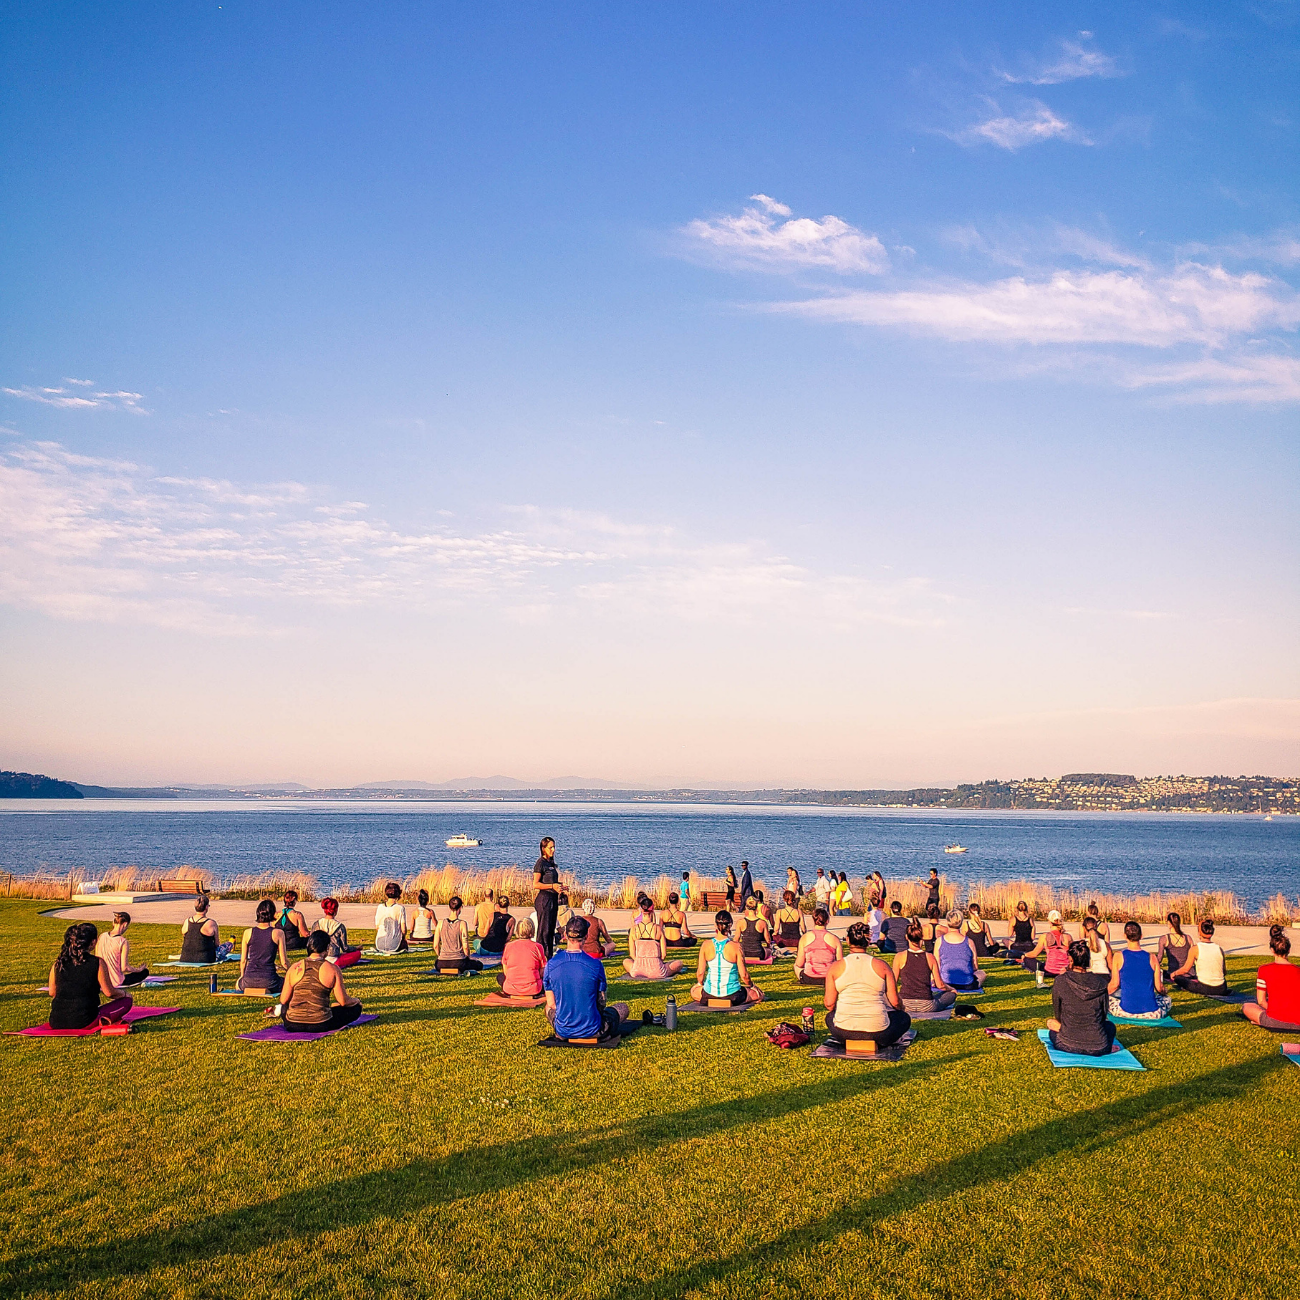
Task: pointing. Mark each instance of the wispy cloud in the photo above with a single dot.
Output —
(92, 539)
(769, 237)
(1192, 304)
(76, 398)
(1073, 61)
(1031, 123)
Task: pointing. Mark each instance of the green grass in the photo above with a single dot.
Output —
(439, 1153)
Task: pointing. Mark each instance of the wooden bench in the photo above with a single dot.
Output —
(713, 900)
(181, 885)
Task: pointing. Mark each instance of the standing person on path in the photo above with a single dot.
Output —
(932, 898)
(731, 886)
(746, 883)
(822, 889)
(793, 883)
(546, 877)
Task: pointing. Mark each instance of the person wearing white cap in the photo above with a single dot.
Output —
(1053, 948)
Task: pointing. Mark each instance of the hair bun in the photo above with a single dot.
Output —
(1274, 931)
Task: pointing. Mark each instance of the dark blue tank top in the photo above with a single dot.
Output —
(1137, 983)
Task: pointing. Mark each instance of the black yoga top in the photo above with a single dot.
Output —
(197, 946)
(259, 967)
(751, 941)
(1024, 930)
(550, 875)
(914, 979)
(495, 939)
(76, 999)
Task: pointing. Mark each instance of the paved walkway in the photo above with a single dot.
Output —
(1237, 940)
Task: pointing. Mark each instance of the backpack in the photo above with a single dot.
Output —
(786, 1035)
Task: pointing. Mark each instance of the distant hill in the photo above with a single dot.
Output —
(29, 785)
(502, 783)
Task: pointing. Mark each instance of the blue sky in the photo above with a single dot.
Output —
(838, 395)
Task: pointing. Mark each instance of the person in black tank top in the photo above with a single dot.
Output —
(546, 878)
(199, 935)
(77, 979)
(920, 985)
(262, 946)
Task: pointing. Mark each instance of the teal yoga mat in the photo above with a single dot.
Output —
(1121, 1060)
(1293, 1056)
(1165, 1022)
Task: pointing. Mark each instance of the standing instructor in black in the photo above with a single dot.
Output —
(546, 876)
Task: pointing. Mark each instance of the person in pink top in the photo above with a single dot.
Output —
(115, 949)
(522, 963)
(818, 950)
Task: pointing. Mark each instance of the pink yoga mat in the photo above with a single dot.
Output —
(136, 1013)
(279, 1034)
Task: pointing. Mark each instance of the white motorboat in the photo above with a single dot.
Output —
(463, 842)
(954, 848)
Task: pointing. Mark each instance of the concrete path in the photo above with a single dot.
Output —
(233, 913)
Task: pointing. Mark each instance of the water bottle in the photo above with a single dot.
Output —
(670, 1013)
(807, 1020)
(212, 982)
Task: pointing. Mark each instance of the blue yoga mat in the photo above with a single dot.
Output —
(1121, 1060)
(1290, 1056)
(1165, 1022)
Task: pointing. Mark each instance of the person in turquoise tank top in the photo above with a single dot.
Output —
(721, 971)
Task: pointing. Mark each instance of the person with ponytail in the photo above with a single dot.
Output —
(1136, 989)
(78, 978)
(1098, 948)
(648, 946)
(1203, 972)
(1175, 945)
(1277, 989)
(720, 972)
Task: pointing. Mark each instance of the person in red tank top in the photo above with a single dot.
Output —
(1277, 989)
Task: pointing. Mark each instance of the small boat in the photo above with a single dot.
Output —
(463, 842)
(954, 848)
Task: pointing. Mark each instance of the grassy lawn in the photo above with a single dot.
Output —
(439, 1153)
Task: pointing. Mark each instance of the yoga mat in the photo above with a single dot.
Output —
(1164, 1022)
(517, 1003)
(197, 965)
(279, 1034)
(1292, 1052)
(615, 1041)
(1233, 999)
(1121, 1060)
(650, 979)
(699, 1006)
(833, 1050)
(135, 1014)
(239, 993)
(945, 1014)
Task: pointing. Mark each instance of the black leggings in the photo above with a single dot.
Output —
(445, 966)
(546, 905)
(1190, 984)
(339, 1016)
(1108, 1029)
(899, 1023)
(135, 977)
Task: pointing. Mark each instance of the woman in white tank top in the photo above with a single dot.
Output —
(1205, 957)
(861, 997)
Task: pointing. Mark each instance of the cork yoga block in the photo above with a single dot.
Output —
(860, 1047)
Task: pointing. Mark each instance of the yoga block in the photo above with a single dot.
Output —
(584, 1042)
(114, 1030)
(717, 1002)
(860, 1047)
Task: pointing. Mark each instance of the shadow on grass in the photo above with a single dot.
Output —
(390, 1193)
(1078, 1136)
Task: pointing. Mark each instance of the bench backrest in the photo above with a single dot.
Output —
(180, 885)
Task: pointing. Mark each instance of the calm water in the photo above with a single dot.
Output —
(353, 842)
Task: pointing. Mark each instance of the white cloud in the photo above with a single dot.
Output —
(1075, 61)
(92, 539)
(1192, 304)
(1035, 123)
(75, 401)
(1242, 378)
(767, 236)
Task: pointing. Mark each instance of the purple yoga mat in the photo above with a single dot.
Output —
(279, 1034)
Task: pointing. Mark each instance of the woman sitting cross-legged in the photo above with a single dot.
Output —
(391, 927)
(1175, 945)
(754, 933)
(598, 943)
(1022, 933)
(199, 936)
(1136, 990)
(451, 942)
(976, 929)
(493, 943)
(522, 964)
(789, 924)
(77, 979)
(424, 920)
(649, 948)
(1098, 946)
(261, 947)
(861, 997)
(1277, 989)
(340, 953)
(920, 983)
(1080, 1003)
(721, 970)
(308, 988)
(115, 948)
(819, 950)
(1203, 971)
(958, 959)
(292, 922)
(677, 929)
(1053, 948)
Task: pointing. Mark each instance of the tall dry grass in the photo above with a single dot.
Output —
(998, 901)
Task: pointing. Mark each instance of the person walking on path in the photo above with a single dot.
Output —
(746, 883)
(546, 877)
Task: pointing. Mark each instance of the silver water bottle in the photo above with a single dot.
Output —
(670, 1013)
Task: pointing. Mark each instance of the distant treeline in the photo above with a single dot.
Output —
(29, 785)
